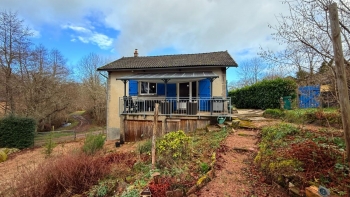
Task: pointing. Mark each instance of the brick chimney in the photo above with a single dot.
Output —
(136, 54)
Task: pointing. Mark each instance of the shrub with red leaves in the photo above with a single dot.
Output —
(316, 159)
(126, 158)
(318, 162)
(65, 176)
(159, 190)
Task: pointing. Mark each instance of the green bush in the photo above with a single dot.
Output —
(204, 167)
(17, 132)
(273, 113)
(146, 147)
(263, 95)
(174, 145)
(93, 143)
(273, 139)
(49, 145)
(131, 193)
(277, 132)
(323, 117)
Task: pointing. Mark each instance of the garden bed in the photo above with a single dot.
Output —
(295, 157)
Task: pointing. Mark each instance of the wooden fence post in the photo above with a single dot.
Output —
(155, 126)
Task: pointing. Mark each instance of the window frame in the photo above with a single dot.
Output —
(148, 83)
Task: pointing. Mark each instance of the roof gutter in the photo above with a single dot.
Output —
(166, 68)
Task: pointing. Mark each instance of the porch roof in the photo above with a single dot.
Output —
(171, 77)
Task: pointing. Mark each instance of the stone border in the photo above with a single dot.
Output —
(203, 180)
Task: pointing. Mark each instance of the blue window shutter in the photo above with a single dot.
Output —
(160, 88)
(133, 88)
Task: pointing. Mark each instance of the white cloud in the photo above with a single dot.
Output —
(77, 29)
(36, 34)
(87, 36)
(103, 41)
(188, 26)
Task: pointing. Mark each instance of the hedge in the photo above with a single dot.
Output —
(264, 94)
(17, 132)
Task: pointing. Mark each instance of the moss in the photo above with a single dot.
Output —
(202, 181)
(247, 124)
(284, 165)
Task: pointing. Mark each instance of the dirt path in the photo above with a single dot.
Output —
(235, 174)
(83, 123)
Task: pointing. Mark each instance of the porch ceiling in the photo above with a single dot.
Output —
(172, 77)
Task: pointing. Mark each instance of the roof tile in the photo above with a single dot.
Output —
(221, 58)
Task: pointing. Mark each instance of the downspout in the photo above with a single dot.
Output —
(107, 100)
(124, 97)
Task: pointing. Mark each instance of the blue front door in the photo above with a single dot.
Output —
(171, 93)
(203, 93)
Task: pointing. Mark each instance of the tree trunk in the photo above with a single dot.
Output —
(340, 75)
(155, 126)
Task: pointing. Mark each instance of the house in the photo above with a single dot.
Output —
(191, 89)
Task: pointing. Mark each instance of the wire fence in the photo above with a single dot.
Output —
(61, 136)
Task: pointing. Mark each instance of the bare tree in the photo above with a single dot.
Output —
(295, 58)
(94, 86)
(42, 86)
(250, 72)
(306, 33)
(306, 28)
(13, 35)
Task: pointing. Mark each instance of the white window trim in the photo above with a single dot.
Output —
(140, 86)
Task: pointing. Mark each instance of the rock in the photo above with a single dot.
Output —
(211, 174)
(312, 191)
(192, 190)
(233, 130)
(178, 193)
(169, 193)
(228, 123)
(294, 192)
(234, 110)
(235, 124)
(246, 124)
(122, 186)
(156, 176)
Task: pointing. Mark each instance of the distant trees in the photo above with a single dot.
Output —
(254, 70)
(93, 87)
(43, 86)
(251, 71)
(14, 37)
(33, 80)
(305, 31)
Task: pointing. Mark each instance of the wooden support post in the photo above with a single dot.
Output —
(340, 75)
(155, 126)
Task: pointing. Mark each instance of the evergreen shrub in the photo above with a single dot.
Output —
(17, 132)
(264, 94)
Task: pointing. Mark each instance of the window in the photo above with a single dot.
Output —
(148, 88)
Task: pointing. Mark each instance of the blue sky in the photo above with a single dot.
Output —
(155, 27)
